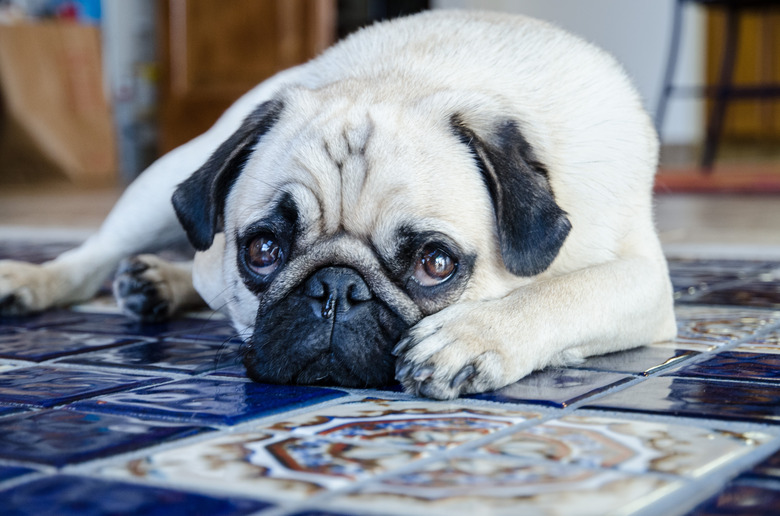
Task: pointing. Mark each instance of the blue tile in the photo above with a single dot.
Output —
(8, 472)
(49, 386)
(220, 331)
(60, 437)
(209, 401)
(64, 495)
(698, 398)
(48, 319)
(180, 356)
(40, 345)
(6, 410)
(735, 366)
(644, 360)
(557, 387)
(742, 500)
(121, 325)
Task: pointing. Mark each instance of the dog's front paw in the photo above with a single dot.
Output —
(456, 352)
(142, 290)
(24, 288)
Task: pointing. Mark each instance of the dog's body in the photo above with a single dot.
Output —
(470, 192)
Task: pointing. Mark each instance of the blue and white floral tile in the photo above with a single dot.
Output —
(65, 495)
(742, 499)
(694, 397)
(692, 276)
(60, 437)
(769, 343)
(40, 345)
(627, 445)
(735, 366)
(761, 291)
(644, 360)
(267, 465)
(171, 355)
(209, 401)
(418, 424)
(50, 386)
(557, 387)
(503, 486)
(717, 326)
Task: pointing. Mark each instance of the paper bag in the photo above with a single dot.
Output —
(52, 87)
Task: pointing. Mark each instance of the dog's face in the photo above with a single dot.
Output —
(348, 219)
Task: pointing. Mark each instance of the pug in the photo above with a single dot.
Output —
(451, 200)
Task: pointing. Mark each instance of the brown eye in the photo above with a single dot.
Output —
(264, 254)
(434, 266)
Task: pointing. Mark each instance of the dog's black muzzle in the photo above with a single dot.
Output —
(331, 330)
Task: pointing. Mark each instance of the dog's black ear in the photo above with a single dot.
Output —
(199, 200)
(531, 225)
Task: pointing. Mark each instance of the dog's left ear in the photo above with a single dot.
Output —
(199, 201)
(531, 225)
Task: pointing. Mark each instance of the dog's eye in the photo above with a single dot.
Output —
(434, 266)
(264, 254)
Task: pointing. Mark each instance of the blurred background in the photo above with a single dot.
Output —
(92, 91)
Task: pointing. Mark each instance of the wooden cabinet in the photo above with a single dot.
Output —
(757, 63)
(214, 51)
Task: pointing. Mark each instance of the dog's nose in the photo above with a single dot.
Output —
(336, 290)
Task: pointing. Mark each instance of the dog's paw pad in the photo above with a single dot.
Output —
(141, 290)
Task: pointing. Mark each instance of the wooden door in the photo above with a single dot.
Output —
(212, 52)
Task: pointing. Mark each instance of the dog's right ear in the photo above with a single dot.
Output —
(199, 201)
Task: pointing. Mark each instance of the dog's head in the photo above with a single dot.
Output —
(349, 217)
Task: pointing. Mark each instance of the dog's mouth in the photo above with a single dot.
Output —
(331, 331)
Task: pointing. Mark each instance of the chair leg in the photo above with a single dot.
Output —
(671, 66)
(723, 92)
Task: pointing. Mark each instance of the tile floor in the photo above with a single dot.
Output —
(101, 416)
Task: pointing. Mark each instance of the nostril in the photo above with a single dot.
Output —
(336, 290)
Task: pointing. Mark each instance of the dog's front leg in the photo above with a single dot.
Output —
(484, 345)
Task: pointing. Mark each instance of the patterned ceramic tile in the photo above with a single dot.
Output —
(8, 472)
(209, 401)
(59, 437)
(630, 446)
(76, 496)
(10, 409)
(40, 345)
(418, 423)
(271, 466)
(182, 356)
(219, 331)
(698, 398)
(768, 469)
(735, 366)
(49, 386)
(557, 387)
(644, 360)
(717, 326)
(763, 294)
(739, 499)
(500, 486)
(43, 320)
(693, 276)
(121, 325)
(767, 344)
